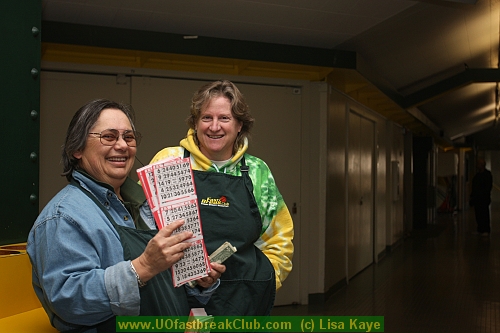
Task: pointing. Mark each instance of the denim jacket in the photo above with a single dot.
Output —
(79, 274)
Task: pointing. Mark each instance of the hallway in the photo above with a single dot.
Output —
(442, 279)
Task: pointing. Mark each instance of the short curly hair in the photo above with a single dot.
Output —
(239, 108)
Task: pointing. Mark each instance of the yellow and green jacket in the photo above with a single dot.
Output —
(277, 226)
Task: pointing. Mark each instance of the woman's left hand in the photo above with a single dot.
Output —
(213, 276)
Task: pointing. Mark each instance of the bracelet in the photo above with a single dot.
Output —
(139, 281)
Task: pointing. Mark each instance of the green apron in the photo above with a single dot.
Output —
(159, 297)
(248, 286)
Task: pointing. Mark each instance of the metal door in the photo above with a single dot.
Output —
(360, 194)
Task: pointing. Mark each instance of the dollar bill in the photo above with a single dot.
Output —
(219, 256)
(222, 253)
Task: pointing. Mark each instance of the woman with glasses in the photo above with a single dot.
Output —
(239, 202)
(95, 249)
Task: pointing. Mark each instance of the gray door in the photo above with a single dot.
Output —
(360, 194)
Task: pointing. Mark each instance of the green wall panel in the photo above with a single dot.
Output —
(20, 25)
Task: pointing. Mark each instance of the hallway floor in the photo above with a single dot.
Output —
(441, 279)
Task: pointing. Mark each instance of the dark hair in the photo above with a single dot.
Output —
(239, 108)
(81, 124)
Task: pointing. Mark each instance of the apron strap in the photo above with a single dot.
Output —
(243, 169)
(94, 199)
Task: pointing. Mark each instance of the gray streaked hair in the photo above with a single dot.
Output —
(81, 124)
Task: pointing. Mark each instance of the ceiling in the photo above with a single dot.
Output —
(429, 64)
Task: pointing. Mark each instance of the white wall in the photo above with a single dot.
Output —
(335, 223)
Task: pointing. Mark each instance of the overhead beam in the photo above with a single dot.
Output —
(468, 76)
(86, 35)
(415, 112)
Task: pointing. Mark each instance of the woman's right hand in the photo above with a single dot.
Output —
(162, 251)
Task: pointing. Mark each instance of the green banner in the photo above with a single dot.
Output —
(250, 324)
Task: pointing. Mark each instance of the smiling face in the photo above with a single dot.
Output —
(217, 129)
(108, 164)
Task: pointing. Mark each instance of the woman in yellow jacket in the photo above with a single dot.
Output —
(239, 202)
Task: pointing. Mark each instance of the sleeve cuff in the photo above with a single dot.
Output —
(202, 295)
(122, 289)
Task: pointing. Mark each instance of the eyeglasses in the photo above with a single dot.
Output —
(109, 137)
